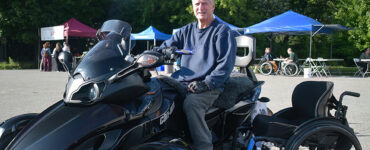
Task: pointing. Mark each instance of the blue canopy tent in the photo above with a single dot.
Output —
(292, 23)
(151, 33)
(232, 27)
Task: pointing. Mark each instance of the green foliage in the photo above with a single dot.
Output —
(20, 20)
(355, 14)
(28, 65)
(10, 65)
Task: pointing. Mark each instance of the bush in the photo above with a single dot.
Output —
(28, 65)
(10, 65)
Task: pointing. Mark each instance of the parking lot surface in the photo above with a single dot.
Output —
(31, 91)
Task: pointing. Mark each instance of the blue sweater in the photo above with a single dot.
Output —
(214, 53)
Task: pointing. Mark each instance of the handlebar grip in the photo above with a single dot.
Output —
(351, 93)
(264, 99)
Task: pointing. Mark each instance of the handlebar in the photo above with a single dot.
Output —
(342, 110)
(354, 94)
(349, 93)
(184, 51)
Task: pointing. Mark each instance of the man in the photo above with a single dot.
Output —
(206, 70)
(69, 61)
(364, 55)
(270, 57)
(293, 58)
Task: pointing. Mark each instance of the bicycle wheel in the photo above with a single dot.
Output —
(290, 69)
(266, 68)
(323, 135)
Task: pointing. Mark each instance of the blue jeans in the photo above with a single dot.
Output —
(195, 107)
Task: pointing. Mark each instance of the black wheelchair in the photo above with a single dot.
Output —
(316, 120)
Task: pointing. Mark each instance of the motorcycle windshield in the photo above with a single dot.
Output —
(103, 60)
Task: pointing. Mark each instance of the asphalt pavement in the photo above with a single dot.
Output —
(31, 91)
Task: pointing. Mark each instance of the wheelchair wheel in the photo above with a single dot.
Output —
(266, 68)
(323, 135)
(290, 69)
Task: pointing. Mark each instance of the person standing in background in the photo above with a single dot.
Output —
(46, 57)
(67, 49)
(55, 54)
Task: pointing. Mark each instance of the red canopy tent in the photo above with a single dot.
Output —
(74, 28)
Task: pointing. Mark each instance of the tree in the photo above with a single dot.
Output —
(21, 20)
(355, 14)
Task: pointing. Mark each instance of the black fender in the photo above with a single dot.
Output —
(63, 126)
(10, 128)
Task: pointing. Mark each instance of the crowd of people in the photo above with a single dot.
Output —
(49, 59)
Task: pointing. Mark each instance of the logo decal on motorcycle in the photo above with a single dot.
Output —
(172, 107)
(166, 115)
(164, 118)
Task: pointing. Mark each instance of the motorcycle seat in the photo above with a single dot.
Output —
(238, 87)
(309, 100)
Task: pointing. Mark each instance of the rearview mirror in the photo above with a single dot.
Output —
(65, 59)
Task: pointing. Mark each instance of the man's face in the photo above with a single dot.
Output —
(267, 50)
(203, 9)
(368, 51)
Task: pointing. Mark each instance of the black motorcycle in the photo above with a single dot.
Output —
(111, 102)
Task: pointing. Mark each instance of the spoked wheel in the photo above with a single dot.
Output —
(291, 69)
(266, 68)
(324, 135)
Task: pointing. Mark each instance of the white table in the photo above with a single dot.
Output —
(365, 60)
(368, 63)
(318, 66)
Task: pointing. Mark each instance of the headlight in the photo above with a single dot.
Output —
(86, 93)
(93, 93)
(79, 91)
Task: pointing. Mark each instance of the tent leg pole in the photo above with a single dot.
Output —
(331, 46)
(38, 50)
(310, 45)
(147, 45)
(270, 39)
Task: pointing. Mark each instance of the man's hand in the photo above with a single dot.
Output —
(198, 87)
(169, 52)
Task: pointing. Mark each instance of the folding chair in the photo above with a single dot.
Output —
(359, 68)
